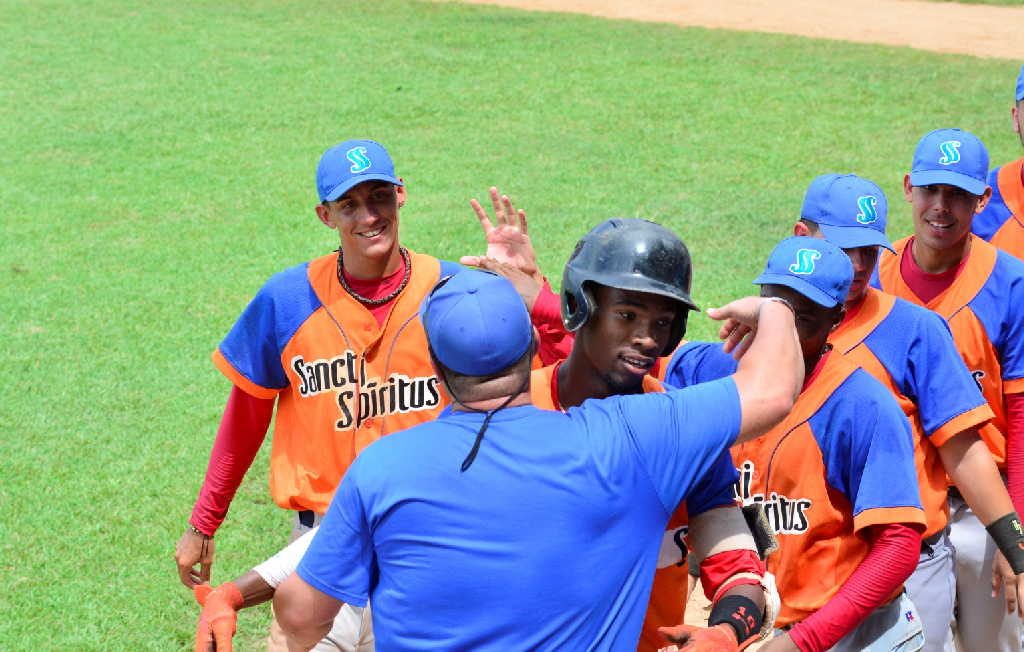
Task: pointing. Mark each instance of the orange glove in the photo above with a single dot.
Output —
(218, 617)
(720, 638)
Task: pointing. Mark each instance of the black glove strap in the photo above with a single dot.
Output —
(1009, 537)
(740, 613)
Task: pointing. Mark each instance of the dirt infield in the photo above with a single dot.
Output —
(978, 30)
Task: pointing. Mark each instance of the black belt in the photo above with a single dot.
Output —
(307, 518)
(928, 543)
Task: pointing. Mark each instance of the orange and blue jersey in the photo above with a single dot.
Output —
(1002, 221)
(984, 307)
(341, 379)
(840, 462)
(668, 593)
(911, 352)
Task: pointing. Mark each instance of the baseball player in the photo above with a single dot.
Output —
(1001, 222)
(978, 290)
(836, 477)
(625, 294)
(910, 350)
(501, 526)
(336, 344)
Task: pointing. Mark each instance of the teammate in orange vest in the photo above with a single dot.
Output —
(1001, 222)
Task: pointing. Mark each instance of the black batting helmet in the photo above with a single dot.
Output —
(628, 254)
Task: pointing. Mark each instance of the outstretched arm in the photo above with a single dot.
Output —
(761, 334)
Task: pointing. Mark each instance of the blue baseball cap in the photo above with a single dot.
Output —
(851, 211)
(1020, 85)
(815, 268)
(952, 157)
(350, 163)
(476, 323)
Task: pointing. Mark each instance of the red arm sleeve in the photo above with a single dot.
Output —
(1015, 449)
(893, 555)
(242, 430)
(555, 341)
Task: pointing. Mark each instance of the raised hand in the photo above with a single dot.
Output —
(507, 239)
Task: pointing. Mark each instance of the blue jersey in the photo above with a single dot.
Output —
(548, 541)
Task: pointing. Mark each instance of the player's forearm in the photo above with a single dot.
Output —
(771, 372)
(893, 555)
(239, 437)
(973, 470)
(1015, 449)
(254, 589)
(555, 342)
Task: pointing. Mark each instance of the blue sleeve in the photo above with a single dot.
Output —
(1000, 307)
(867, 446)
(716, 488)
(340, 560)
(917, 349)
(698, 362)
(679, 436)
(448, 268)
(986, 223)
(253, 345)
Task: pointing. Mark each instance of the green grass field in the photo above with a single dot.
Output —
(158, 165)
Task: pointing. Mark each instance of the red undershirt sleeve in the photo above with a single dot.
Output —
(555, 342)
(240, 435)
(891, 559)
(1015, 449)
(716, 571)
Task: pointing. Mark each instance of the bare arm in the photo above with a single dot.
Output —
(304, 613)
(762, 334)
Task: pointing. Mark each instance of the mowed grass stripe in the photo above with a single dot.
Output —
(158, 166)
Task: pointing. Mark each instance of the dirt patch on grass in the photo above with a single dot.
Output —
(978, 30)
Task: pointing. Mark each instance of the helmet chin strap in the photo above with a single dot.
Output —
(466, 463)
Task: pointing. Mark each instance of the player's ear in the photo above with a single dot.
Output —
(908, 190)
(838, 318)
(400, 191)
(983, 200)
(801, 229)
(323, 215)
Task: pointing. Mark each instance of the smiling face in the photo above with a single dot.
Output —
(942, 213)
(366, 218)
(624, 336)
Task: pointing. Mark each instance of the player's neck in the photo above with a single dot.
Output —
(578, 381)
(367, 268)
(936, 261)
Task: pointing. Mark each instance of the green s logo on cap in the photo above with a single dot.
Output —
(950, 152)
(867, 204)
(360, 163)
(805, 261)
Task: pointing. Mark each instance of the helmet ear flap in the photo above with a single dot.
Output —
(577, 305)
(678, 330)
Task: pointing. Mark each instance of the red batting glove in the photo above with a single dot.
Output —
(218, 617)
(720, 638)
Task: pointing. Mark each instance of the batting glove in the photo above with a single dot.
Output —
(218, 617)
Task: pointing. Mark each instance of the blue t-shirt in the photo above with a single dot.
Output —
(548, 541)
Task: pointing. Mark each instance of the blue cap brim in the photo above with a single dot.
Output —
(798, 284)
(851, 237)
(341, 189)
(949, 178)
